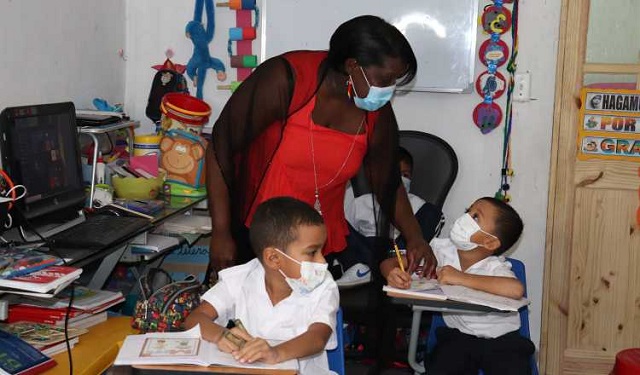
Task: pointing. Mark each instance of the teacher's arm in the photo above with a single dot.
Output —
(417, 248)
(260, 101)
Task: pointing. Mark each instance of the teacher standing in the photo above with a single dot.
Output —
(302, 125)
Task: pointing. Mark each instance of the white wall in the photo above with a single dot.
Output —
(53, 51)
(154, 25)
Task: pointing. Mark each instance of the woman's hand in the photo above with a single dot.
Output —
(448, 275)
(416, 252)
(399, 279)
(222, 250)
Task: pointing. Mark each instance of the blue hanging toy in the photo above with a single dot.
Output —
(201, 59)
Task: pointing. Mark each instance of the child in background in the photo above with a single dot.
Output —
(284, 294)
(471, 257)
(359, 212)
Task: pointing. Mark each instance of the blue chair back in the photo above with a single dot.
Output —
(336, 356)
(518, 269)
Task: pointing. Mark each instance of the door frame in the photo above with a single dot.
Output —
(565, 175)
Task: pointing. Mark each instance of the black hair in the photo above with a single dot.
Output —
(369, 40)
(405, 156)
(276, 221)
(508, 224)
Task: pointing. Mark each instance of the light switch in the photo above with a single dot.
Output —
(522, 87)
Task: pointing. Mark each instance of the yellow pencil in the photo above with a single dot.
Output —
(395, 246)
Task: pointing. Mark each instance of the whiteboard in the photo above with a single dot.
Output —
(442, 33)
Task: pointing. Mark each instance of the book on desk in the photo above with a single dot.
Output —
(18, 357)
(182, 348)
(50, 280)
(432, 290)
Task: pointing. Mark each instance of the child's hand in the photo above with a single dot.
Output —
(232, 340)
(399, 279)
(257, 350)
(448, 275)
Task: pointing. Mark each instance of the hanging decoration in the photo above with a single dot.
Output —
(490, 84)
(497, 20)
(244, 61)
(201, 60)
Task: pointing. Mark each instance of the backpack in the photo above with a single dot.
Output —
(164, 303)
(165, 81)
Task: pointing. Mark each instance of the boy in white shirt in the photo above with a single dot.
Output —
(285, 294)
(471, 257)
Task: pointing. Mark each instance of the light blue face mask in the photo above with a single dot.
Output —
(377, 97)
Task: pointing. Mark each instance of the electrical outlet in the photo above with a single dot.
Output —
(522, 88)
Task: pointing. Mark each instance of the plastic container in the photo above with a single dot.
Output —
(183, 111)
(146, 144)
(137, 187)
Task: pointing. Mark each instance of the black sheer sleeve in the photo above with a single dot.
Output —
(259, 102)
(382, 169)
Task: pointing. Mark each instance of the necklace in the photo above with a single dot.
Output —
(316, 205)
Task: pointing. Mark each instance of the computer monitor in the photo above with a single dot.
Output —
(40, 150)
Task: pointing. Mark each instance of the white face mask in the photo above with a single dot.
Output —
(312, 274)
(406, 181)
(463, 228)
(376, 98)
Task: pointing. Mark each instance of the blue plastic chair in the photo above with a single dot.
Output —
(336, 356)
(518, 269)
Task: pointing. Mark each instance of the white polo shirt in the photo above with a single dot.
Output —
(359, 212)
(241, 294)
(486, 325)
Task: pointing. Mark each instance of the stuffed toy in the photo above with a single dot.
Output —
(201, 59)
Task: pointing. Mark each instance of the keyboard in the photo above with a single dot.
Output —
(99, 232)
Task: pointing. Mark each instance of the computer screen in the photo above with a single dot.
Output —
(40, 150)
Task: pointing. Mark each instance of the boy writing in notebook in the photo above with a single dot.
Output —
(471, 257)
(285, 294)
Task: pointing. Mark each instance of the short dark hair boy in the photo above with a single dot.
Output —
(276, 221)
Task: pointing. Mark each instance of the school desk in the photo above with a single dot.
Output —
(209, 370)
(96, 350)
(420, 305)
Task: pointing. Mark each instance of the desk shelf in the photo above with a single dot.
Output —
(93, 132)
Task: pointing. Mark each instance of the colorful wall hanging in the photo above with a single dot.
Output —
(496, 20)
(244, 61)
(493, 53)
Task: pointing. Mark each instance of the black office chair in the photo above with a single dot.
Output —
(435, 169)
(435, 165)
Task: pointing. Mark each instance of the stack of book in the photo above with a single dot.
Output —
(88, 308)
(46, 338)
(29, 272)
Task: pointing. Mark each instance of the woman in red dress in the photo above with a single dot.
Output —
(302, 125)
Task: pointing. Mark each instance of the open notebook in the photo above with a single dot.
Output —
(182, 348)
(430, 289)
